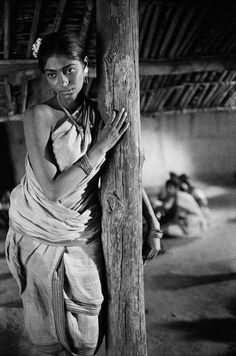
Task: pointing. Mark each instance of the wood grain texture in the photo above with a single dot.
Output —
(118, 86)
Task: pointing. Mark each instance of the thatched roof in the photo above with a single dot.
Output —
(187, 51)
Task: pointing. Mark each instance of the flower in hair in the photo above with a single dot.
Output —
(35, 47)
(86, 60)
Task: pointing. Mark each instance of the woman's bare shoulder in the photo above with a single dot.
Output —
(38, 113)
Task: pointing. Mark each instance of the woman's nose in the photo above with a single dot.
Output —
(63, 80)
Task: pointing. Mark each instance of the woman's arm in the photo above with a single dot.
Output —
(152, 243)
(37, 126)
(148, 212)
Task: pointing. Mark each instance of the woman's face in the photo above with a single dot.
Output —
(65, 76)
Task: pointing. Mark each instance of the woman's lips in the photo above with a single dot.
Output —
(65, 92)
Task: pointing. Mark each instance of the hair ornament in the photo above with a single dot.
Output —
(35, 47)
(86, 60)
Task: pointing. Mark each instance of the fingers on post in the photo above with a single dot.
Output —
(122, 124)
(123, 128)
(114, 113)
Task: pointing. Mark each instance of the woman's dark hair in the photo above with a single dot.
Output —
(60, 43)
(173, 182)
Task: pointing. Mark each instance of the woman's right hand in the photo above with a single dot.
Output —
(110, 133)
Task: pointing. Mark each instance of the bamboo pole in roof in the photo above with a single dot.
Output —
(165, 98)
(184, 83)
(228, 96)
(144, 28)
(186, 94)
(170, 32)
(217, 94)
(181, 34)
(210, 94)
(177, 96)
(161, 29)
(189, 111)
(192, 34)
(159, 98)
(84, 30)
(153, 20)
(187, 65)
(230, 44)
(201, 97)
(224, 95)
(59, 15)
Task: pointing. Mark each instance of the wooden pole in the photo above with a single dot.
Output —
(118, 86)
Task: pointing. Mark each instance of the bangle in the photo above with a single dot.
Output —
(159, 232)
(85, 164)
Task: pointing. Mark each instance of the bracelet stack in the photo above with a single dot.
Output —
(158, 232)
(85, 164)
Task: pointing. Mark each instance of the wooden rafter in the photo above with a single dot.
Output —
(34, 27)
(145, 21)
(189, 111)
(59, 15)
(193, 83)
(86, 21)
(146, 67)
(11, 118)
(161, 32)
(189, 65)
(155, 13)
(164, 49)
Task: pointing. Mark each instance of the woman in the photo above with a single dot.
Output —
(53, 245)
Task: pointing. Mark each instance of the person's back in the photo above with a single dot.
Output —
(189, 215)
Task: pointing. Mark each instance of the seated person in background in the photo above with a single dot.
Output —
(198, 195)
(157, 201)
(180, 214)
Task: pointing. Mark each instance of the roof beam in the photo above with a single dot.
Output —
(188, 65)
(59, 15)
(86, 21)
(146, 67)
(188, 111)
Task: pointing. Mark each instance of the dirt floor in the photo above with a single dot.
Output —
(189, 291)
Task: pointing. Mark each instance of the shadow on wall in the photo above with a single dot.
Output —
(176, 281)
(216, 329)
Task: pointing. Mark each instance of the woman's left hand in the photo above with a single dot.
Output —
(151, 245)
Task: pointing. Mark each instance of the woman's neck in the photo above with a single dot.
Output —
(70, 105)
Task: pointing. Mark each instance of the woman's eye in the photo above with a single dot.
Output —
(70, 70)
(52, 75)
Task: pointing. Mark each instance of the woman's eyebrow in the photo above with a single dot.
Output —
(63, 68)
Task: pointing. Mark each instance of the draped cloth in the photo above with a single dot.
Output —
(54, 248)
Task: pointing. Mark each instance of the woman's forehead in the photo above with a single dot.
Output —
(57, 62)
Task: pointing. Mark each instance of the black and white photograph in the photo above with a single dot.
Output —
(118, 177)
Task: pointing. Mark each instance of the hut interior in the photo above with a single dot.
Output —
(187, 70)
(187, 77)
